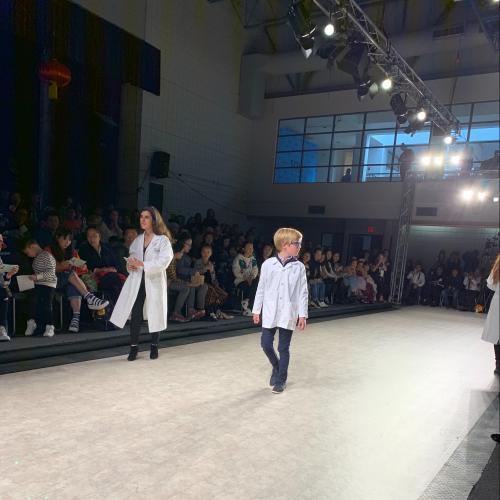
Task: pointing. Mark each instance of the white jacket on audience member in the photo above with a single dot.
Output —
(282, 294)
(158, 256)
(491, 332)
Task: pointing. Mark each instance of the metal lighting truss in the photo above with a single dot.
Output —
(388, 59)
(488, 17)
(404, 228)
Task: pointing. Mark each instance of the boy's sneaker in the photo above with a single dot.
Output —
(322, 303)
(95, 303)
(279, 388)
(3, 334)
(49, 331)
(30, 328)
(274, 377)
(213, 317)
(74, 326)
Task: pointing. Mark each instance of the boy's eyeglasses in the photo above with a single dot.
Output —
(297, 244)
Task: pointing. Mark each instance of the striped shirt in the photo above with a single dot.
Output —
(44, 267)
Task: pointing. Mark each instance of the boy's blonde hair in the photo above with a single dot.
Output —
(286, 235)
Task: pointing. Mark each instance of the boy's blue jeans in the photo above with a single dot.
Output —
(318, 291)
(280, 364)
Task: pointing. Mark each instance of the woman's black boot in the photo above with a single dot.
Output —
(154, 351)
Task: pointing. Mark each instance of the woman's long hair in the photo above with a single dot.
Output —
(159, 226)
(57, 252)
(495, 270)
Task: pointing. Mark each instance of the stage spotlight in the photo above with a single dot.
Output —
(367, 87)
(329, 29)
(386, 84)
(456, 160)
(467, 194)
(482, 196)
(354, 61)
(425, 161)
(495, 199)
(438, 161)
(448, 140)
(302, 27)
(421, 115)
(399, 108)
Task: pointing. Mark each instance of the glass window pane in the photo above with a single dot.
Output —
(291, 127)
(374, 138)
(287, 175)
(378, 156)
(314, 174)
(290, 143)
(380, 119)
(316, 158)
(483, 151)
(462, 112)
(486, 111)
(485, 132)
(343, 174)
(349, 122)
(420, 137)
(318, 141)
(376, 173)
(347, 140)
(319, 124)
(345, 157)
(288, 160)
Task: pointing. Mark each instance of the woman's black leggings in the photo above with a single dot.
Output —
(137, 317)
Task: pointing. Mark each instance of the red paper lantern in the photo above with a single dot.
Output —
(57, 74)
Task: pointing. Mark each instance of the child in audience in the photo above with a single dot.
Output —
(316, 283)
(45, 279)
(246, 270)
(216, 296)
(5, 295)
(416, 281)
(282, 297)
(452, 287)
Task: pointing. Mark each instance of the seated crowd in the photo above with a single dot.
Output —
(458, 282)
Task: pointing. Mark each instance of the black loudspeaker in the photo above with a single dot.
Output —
(160, 165)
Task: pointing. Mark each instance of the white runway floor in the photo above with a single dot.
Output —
(374, 408)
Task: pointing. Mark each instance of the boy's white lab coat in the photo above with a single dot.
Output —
(158, 256)
(491, 331)
(282, 294)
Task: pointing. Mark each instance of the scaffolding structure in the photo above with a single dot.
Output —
(404, 228)
(387, 59)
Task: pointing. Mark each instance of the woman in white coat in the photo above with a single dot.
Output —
(491, 331)
(145, 290)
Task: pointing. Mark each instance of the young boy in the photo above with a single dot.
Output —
(44, 269)
(282, 297)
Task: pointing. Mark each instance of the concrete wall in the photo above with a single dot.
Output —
(195, 118)
(368, 200)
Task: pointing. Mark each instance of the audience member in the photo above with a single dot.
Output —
(246, 271)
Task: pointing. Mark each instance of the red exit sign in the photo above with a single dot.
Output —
(372, 229)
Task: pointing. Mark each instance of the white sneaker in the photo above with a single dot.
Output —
(247, 312)
(3, 334)
(322, 304)
(30, 328)
(49, 331)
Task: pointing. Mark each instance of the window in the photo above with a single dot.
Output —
(366, 147)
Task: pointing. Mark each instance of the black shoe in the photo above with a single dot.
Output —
(496, 437)
(279, 388)
(154, 352)
(274, 377)
(132, 355)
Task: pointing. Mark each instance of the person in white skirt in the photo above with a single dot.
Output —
(491, 332)
(146, 287)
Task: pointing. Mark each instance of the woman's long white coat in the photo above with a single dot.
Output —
(491, 332)
(158, 256)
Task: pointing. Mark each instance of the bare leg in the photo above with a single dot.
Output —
(78, 284)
